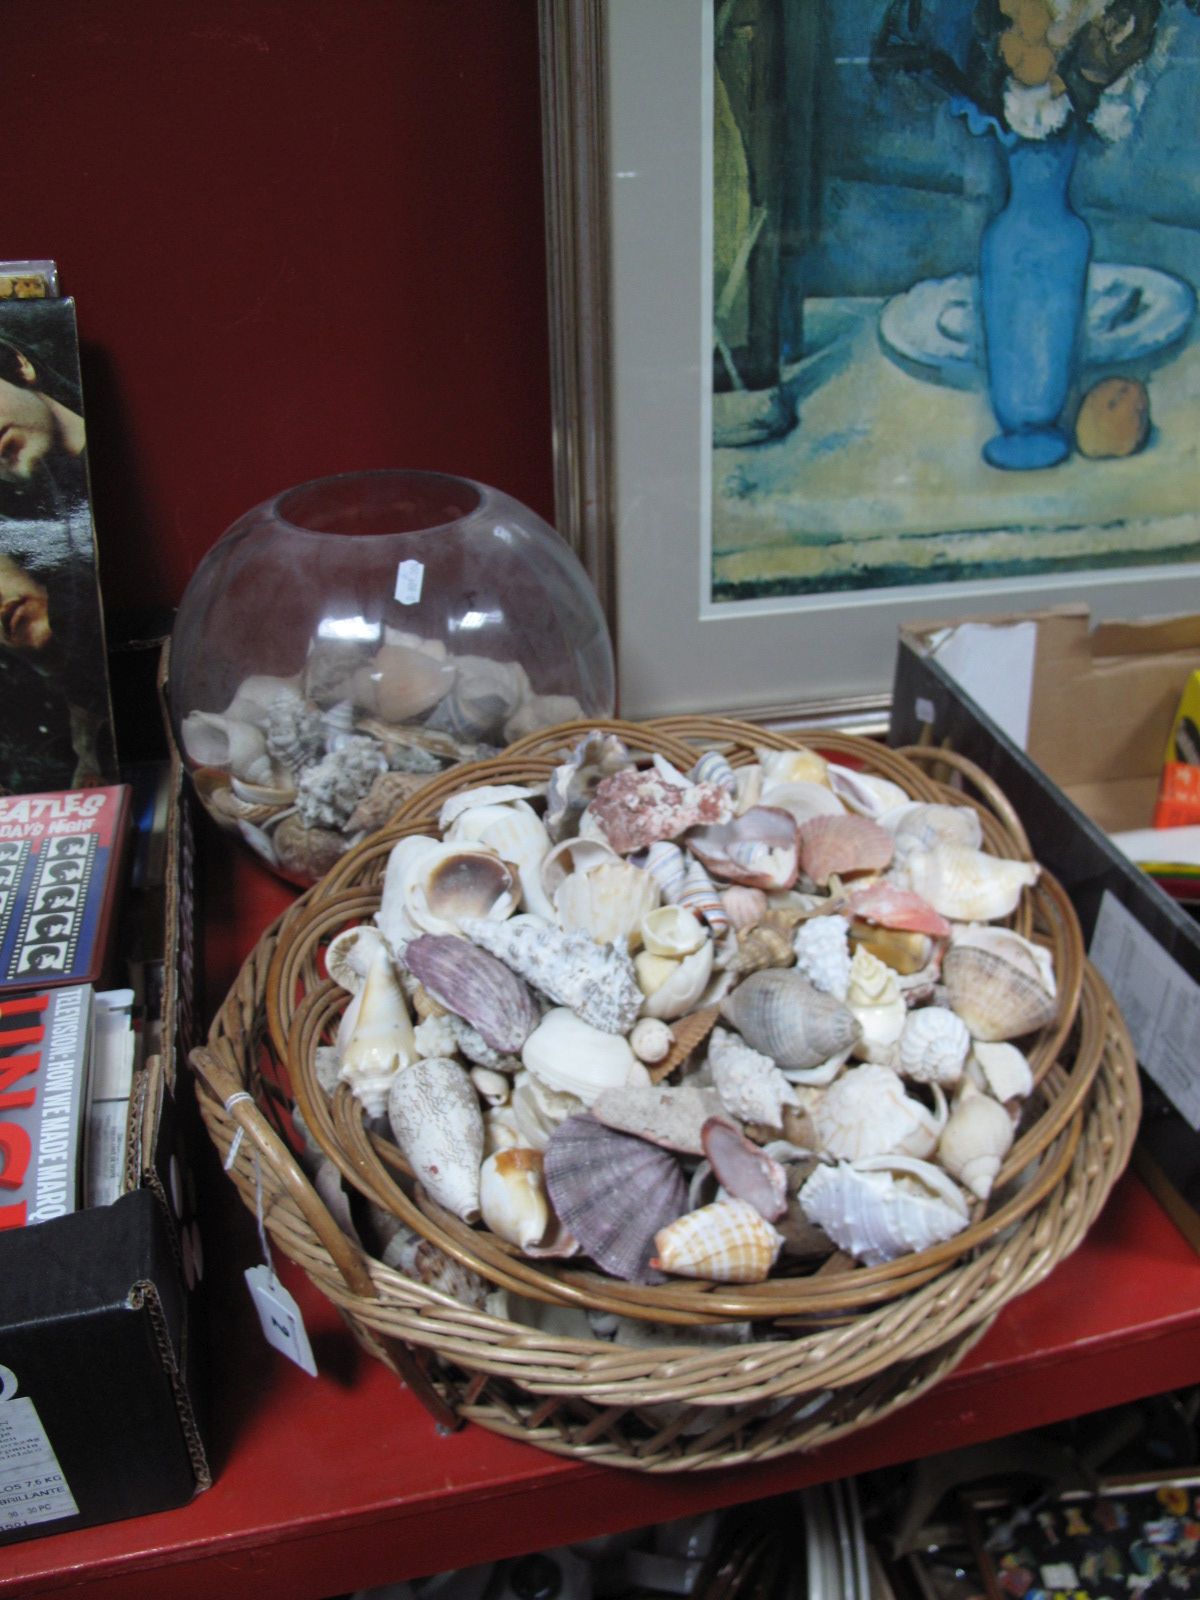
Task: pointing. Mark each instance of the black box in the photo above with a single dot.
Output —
(1145, 944)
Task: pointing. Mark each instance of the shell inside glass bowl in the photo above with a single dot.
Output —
(353, 637)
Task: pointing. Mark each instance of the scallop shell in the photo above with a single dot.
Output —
(822, 952)
(475, 986)
(965, 884)
(745, 1170)
(379, 1040)
(932, 1047)
(843, 845)
(513, 829)
(999, 991)
(671, 1117)
(451, 883)
(866, 1112)
(978, 1135)
(570, 1055)
(758, 848)
(750, 1084)
(512, 1196)
(608, 902)
(596, 981)
(637, 807)
(726, 1242)
(571, 856)
(780, 1013)
(882, 1207)
(614, 1193)
(436, 1121)
(743, 905)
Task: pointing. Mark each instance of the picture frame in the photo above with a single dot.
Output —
(627, 138)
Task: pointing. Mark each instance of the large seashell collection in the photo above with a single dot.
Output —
(554, 1017)
(304, 767)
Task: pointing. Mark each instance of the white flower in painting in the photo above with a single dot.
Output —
(1035, 112)
(1068, 17)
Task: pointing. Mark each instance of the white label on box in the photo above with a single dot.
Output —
(410, 576)
(32, 1486)
(282, 1324)
(1160, 1003)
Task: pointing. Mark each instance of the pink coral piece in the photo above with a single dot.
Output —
(638, 808)
(893, 907)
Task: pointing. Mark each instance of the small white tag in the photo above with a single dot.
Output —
(282, 1324)
(32, 1486)
(924, 709)
(410, 575)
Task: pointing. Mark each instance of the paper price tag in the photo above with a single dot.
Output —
(282, 1324)
(32, 1486)
(410, 576)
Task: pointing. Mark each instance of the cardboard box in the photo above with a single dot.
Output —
(101, 1404)
(1072, 721)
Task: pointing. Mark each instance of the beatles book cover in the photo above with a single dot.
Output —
(55, 712)
(61, 858)
(45, 1050)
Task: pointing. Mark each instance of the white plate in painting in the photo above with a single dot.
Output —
(1132, 313)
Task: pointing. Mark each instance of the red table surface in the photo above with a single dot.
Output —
(329, 1484)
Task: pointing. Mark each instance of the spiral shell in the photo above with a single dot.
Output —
(932, 1047)
(596, 981)
(781, 1014)
(977, 1136)
(750, 1085)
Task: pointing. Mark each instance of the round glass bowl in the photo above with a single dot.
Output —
(354, 636)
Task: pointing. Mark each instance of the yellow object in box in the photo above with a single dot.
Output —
(1178, 800)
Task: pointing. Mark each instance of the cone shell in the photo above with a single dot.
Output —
(614, 1193)
(884, 1206)
(781, 1014)
(843, 845)
(512, 1196)
(436, 1120)
(379, 1041)
(726, 1242)
(475, 986)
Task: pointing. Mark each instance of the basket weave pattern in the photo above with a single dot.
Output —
(829, 1352)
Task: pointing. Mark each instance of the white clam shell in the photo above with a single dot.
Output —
(380, 1040)
(437, 1122)
(978, 1135)
(864, 792)
(453, 882)
(514, 830)
(866, 1112)
(392, 918)
(512, 1196)
(882, 1207)
(966, 884)
(568, 1054)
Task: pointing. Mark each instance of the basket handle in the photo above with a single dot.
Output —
(225, 1086)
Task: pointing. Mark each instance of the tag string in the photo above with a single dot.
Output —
(236, 1145)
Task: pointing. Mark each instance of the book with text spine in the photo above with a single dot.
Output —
(45, 1050)
(61, 861)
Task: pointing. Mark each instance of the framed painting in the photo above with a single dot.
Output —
(801, 395)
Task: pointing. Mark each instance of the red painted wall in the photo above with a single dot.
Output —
(302, 238)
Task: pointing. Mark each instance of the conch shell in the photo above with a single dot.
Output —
(882, 1207)
(977, 1137)
(596, 981)
(964, 884)
(379, 1038)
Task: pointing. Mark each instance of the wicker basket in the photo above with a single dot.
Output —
(829, 1352)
